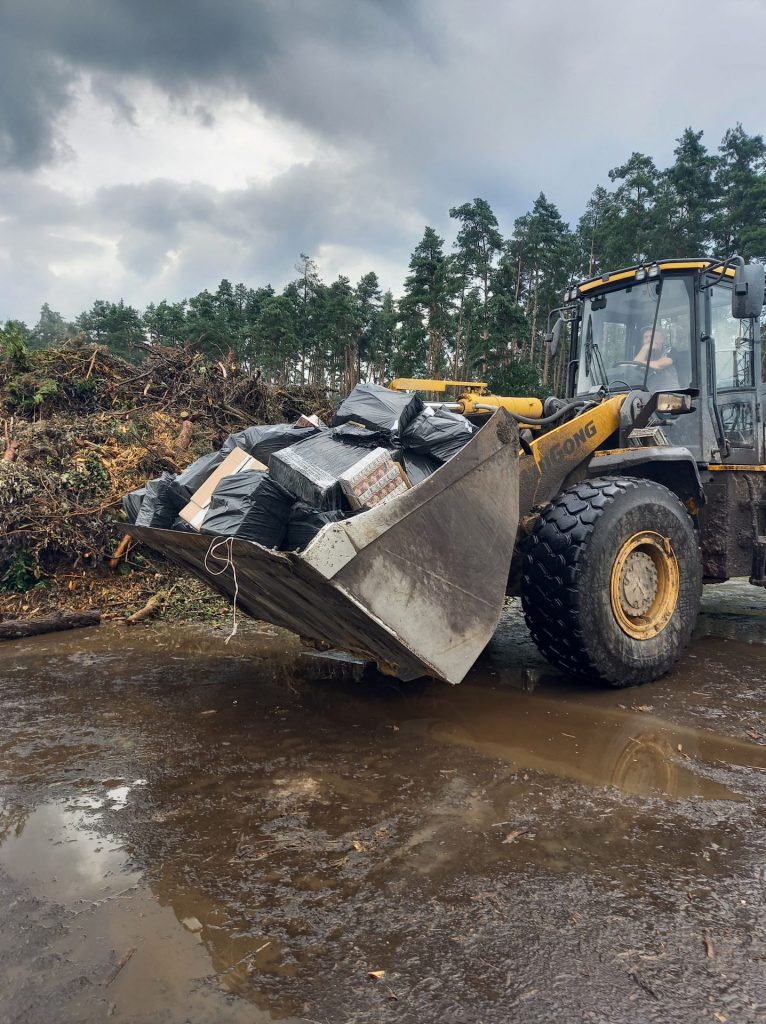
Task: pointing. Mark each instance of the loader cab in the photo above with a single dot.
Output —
(670, 326)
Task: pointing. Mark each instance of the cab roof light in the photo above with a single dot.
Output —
(654, 270)
(641, 274)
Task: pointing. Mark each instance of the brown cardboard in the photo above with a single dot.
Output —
(310, 421)
(375, 478)
(237, 461)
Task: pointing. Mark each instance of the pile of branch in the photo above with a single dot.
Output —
(80, 427)
(85, 379)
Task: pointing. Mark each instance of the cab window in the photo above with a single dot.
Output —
(733, 343)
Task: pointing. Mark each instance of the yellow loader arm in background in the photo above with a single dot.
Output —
(474, 400)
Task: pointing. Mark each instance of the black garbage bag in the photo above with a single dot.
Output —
(438, 433)
(418, 467)
(305, 523)
(363, 437)
(164, 499)
(131, 502)
(181, 526)
(262, 441)
(249, 506)
(379, 408)
(195, 475)
(310, 470)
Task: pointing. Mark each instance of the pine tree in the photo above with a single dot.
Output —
(428, 293)
(739, 224)
(165, 323)
(116, 325)
(368, 306)
(275, 339)
(478, 243)
(638, 181)
(50, 329)
(544, 252)
(692, 178)
(307, 288)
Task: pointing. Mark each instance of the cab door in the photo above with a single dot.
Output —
(737, 385)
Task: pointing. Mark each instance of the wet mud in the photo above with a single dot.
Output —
(195, 831)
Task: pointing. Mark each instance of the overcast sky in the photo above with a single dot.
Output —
(149, 148)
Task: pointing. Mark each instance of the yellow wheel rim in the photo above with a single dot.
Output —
(644, 585)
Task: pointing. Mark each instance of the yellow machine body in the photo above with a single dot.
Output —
(418, 584)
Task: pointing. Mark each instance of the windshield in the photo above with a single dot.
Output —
(637, 337)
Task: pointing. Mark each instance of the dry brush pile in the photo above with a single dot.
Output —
(79, 427)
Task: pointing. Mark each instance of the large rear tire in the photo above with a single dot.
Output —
(612, 580)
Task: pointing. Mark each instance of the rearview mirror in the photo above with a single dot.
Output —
(747, 294)
(554, 338)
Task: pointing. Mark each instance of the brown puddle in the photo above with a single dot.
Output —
(138, 951)
(634, 752)
(226, 817)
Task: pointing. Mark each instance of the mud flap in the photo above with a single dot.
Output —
(416, 584)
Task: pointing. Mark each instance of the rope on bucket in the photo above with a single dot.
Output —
(228, 562)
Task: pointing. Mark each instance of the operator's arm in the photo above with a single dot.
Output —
(640, 356)
(661, 364)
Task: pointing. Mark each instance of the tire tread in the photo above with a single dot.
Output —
(550, 596)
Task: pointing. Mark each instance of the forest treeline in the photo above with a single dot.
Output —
(475, 309)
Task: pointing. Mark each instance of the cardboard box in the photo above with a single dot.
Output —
(310, 421)
(373, 479)
(311, 469)
(237, 461)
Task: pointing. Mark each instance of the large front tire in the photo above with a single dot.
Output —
(612, 580)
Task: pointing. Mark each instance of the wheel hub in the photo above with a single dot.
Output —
(645, 585)
(638, 584)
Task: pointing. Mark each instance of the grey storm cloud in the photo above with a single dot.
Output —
(180, 238)
(414, 107)
(180, 45)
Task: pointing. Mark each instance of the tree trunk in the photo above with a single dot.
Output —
(534, 319)
(11, 451)
(15, 629)
(546, 363)
(457, 373)
(122, 549)
(485, 327)
(184, 438)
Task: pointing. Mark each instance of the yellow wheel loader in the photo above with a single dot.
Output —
(606, 510)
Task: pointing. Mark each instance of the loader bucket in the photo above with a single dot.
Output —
(416, 584)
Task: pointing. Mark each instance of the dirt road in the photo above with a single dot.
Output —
(195, 832)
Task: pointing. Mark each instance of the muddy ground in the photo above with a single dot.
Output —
(197, 832)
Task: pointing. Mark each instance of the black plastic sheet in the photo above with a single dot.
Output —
(249, 506)
(181, 526)
(131, 503)
(352, 433)
(310, 470)
(262, 441)
(195, 475)
(418, 467)
(305, 523)
(379, 408)
(164, 499)
(438, 433)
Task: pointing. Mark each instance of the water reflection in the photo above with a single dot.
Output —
(56, 850)
(603, 746)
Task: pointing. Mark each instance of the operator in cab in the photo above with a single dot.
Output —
(657, 350)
